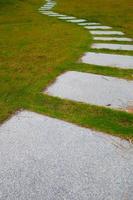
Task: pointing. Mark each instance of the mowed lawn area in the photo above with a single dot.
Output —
(35, 49)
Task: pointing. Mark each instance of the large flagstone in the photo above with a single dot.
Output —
(45, 158)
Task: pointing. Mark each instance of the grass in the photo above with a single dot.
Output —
(35, 49)
(118, 14)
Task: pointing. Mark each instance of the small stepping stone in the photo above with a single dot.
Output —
(106, 33)
(45, 158)
(93, 89)
(76, 20)
(113, 39)
(56, 15)
(112, 60)
(98, 27)
(46, 12)
(88, 23)
(67, 17)
(112, 46)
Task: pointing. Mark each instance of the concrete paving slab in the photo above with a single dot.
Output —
(98, 27)
(48, 159)
(124, 39)
(94, 89)
(88, 23)
(112, 60)
(76, 20)
(46, 12)
(67, 17)
(56, 15)
(112, 46)
(106, 33)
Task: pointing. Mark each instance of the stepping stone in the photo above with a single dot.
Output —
(98, 27)
(45, 12)
(56, 15)
(112, 60)
(46, 158)
(112, 46)
(106, 33)
(67, 17)
(76, 20)
(113, 39)
(88, 23)
(93, 89)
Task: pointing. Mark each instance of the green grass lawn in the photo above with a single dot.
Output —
(35, 49)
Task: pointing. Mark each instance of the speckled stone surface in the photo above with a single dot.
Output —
(93, 89)
(113, 39)
(112, 46)
(48, 159)
(88, 23)
(106, 33)
(111, 60)
(98, 27)
(76, 20)
(67, 17)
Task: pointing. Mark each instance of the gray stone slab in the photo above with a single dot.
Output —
(106, 33)
(94, 89)
(98, 27)
(48, 159)
(124, 39)
(67, 17)
(88, 23)
(46, 12)
(112, 60)
(76, 20)
(112, 46)
(56, 15)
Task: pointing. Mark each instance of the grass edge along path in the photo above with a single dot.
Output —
(99, 118)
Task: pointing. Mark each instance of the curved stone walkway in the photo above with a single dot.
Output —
(42, 158)
(96, 89)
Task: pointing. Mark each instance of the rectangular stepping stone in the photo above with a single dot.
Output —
(88, 23)
(113, 39)
(66, 17)
(98, 27)
(112, 46)
(46, 12)
(56, 15)
(48, 159)
(93, 89)
(106, 33)
(76, 20)
(112, 60)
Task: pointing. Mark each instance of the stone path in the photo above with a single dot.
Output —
(48, 159)
(45, 158)
(77, 91)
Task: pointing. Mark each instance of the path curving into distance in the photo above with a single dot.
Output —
(42, 158)
(110, 92)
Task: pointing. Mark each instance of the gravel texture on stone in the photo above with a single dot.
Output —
(88, 23)
(93, 89)
(124, 39)
(106, 33)
(112, 46)
(98, 27)
(111, 60)
(48, 159)
(67, 17)
(76, 20)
